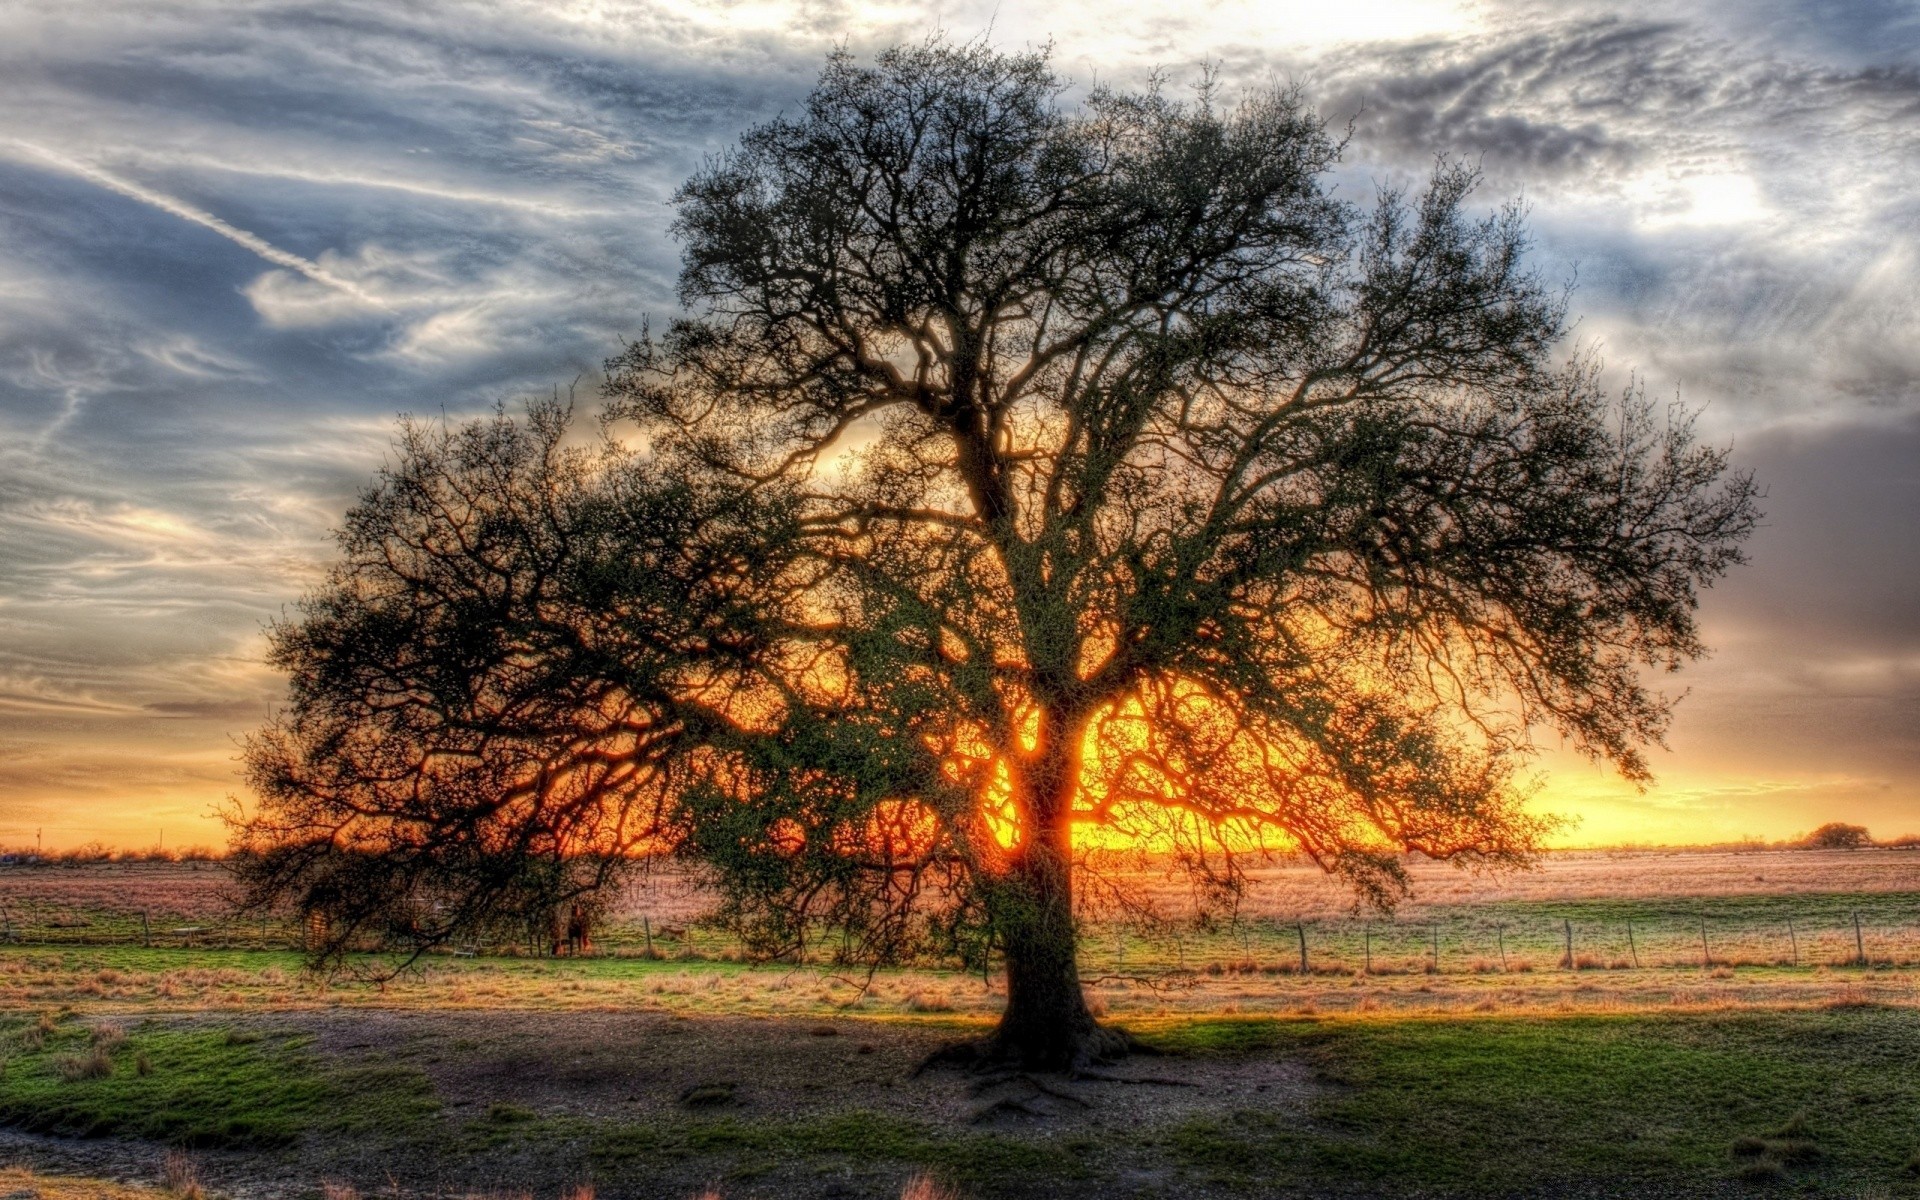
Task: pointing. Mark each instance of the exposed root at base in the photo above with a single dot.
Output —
(1102, 1047)
(996, 1067)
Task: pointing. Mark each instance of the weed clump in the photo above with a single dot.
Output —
(929, 1002)
(1796, 1126)
(925, 1187)
(707, 1095)
(178, 1176)
(94, 1064)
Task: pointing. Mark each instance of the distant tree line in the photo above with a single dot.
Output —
(94, 853)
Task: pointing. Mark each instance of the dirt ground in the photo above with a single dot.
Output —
(612, 1070)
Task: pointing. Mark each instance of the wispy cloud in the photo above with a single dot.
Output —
(439, 205)
(187, 212)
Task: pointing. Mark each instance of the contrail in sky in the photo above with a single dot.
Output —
(187, 212)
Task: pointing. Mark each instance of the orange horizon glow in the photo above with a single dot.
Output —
(1689, 804)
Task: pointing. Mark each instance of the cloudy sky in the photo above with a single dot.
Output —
(237, 238)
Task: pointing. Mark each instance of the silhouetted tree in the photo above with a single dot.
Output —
(1020, 469)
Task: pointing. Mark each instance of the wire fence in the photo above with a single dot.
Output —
(1833, 932)
(1521, 942)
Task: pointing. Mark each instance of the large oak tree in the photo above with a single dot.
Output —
(1019, 469)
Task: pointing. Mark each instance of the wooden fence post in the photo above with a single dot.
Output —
(1301, 929)
(1859, 946)
(1566, 960)
(1793, 940)
(1631, 948)
(146, 930)
(1433, 929)
(1706, 955)
(1367, 961)
(1500, 938)
(646, 927)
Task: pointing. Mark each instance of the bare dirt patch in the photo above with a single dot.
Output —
(653, 1066)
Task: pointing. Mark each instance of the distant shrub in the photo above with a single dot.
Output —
(1838, 835)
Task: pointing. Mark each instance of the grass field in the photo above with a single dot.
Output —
(1728, 1071)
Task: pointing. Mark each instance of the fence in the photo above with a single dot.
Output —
(1487, 942)
(1474, 943)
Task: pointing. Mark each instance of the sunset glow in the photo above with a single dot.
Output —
(213, 303)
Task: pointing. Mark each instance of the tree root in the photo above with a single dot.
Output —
(1101, 1047)
(1154, 1080)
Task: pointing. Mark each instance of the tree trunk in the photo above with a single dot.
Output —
(1047, 1025)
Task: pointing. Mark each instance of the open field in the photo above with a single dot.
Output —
(1733, 1072)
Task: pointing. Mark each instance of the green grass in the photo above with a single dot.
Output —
(209, 1086)
(1829, 1100)
(1821, 1102)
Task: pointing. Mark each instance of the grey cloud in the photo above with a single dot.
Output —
(181, 420)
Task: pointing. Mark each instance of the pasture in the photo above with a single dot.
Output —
(1645, 1024)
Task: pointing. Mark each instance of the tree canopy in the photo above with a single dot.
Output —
(1021, 476)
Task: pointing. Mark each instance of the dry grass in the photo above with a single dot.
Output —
(926, 1187)
(95, 1063)
(180, 1176)
(22, 1182)
(1492, 959)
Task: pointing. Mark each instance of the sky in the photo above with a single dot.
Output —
(236, 239)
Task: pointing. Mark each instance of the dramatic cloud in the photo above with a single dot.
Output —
(237, 239)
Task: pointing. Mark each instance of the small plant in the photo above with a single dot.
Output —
(928, 1001)
(142, 1064)
(178, 1176)
(1796, 1126)
(94, 1064)
(1759, 1170)
(579, 1191)
(108, 1035)
(1796, 1150)
(707, 1095)
(334, 1190)
(925, 1187)
(242, 1037)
